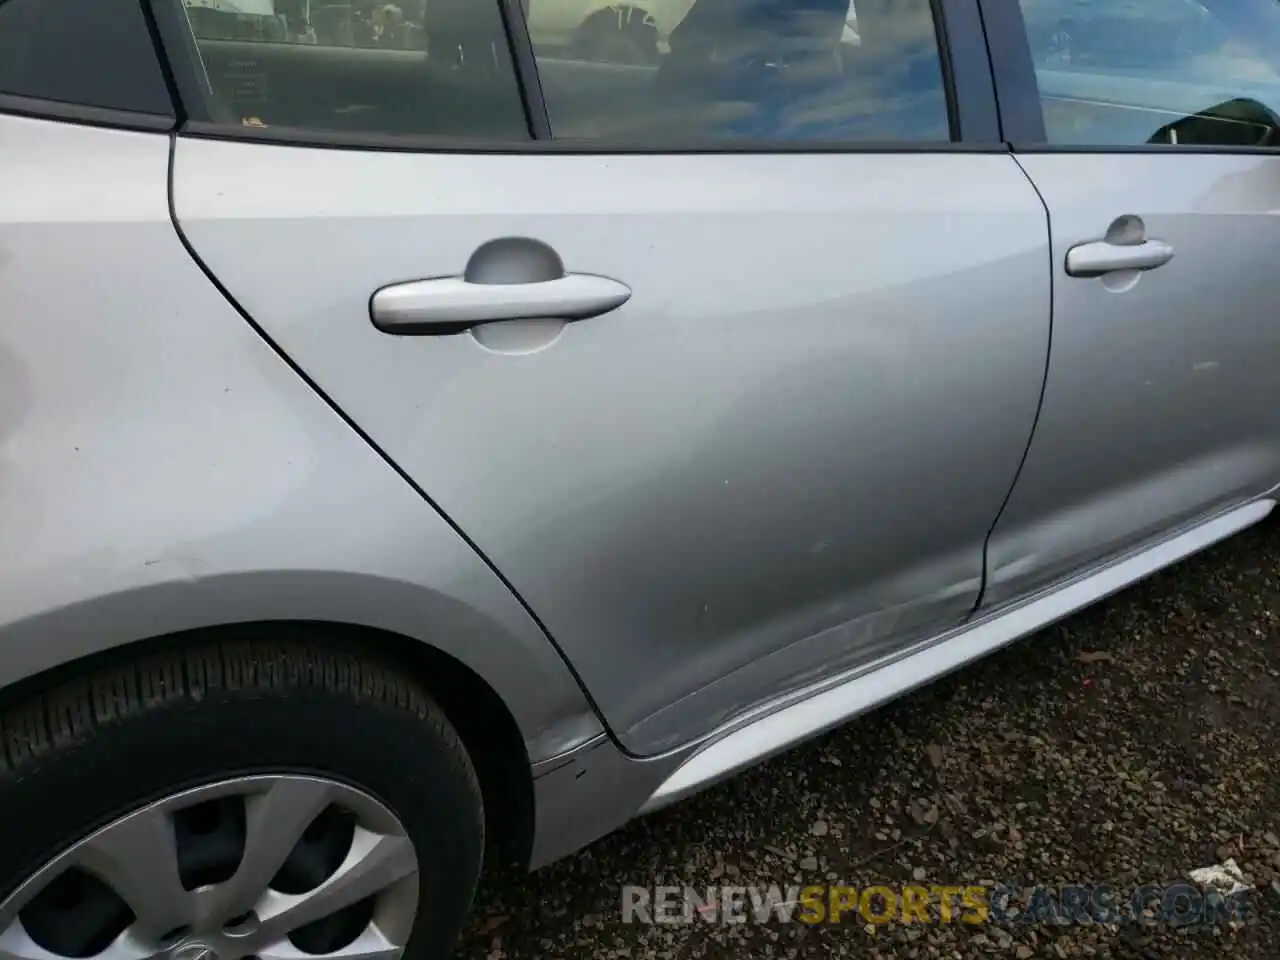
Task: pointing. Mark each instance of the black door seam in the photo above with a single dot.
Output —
(374, 446)
(1035, 420)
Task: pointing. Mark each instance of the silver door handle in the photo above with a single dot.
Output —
(454, 304)
(1100, 257)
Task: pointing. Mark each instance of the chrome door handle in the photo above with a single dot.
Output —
(454, 304)
(1101, 257)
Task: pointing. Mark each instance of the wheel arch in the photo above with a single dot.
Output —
(461, 658)
(481, 718)
(165, 471)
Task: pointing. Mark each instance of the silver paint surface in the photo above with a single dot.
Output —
(1162, 402)
(780, 457)
(162, 469)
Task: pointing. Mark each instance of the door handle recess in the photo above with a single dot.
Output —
(1101, 257)
(454, 304)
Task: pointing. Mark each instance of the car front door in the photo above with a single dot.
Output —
(757, 395)
(1150, 130)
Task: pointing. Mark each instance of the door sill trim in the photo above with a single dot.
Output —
(747, 743)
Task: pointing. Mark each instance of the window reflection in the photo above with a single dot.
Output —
(407, 68)
(367, 25)
(771, 70)
(1173, 72)
(667, 72)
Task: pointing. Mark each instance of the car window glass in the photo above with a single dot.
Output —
(409, 68)
(96, 54)
(1170, 72)
(691, 71)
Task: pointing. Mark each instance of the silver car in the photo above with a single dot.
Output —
(422, 451)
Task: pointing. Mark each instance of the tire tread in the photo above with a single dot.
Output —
(71, 713)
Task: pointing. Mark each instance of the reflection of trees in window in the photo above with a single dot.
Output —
(1171, 39)
(1118, 34)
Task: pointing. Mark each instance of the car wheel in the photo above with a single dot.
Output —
(622, 35)
(264, 799)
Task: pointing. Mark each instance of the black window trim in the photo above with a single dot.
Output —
(966, 72)
(1018, 94)
(526, 64)
(962, 48)
(180, 56)
(36, 108)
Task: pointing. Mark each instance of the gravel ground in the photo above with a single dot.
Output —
(1128, 745)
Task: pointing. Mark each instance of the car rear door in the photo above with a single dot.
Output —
(1150, 130)
(773, 335)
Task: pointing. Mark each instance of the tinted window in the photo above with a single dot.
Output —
(95, 53)
(411, 68)
(769, 70)
(1172, 72)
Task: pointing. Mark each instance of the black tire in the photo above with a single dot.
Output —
(80, 755)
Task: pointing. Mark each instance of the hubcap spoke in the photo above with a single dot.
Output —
(16, 944)
(144, 858)
(374, 862)
(138, 858)
(275, 821)
(370, 945)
